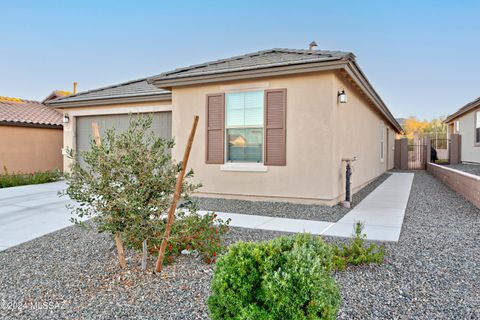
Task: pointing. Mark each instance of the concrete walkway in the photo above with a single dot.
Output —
(28, 212)
(382, 213)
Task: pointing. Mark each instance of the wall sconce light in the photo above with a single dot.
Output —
(66, 118)
(342, 96)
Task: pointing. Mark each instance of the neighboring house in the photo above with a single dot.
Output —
(274, 124)
(466, 122)
(31, 136)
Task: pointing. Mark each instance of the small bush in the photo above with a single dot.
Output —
(356, 252)
(204, 234)
(284, 278)
(19, 179)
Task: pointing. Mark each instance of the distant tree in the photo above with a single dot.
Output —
(414, 126)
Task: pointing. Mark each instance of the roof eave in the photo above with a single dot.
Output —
(106, 101)
(349, 65)
(463, 110)
(249, 74)
(30, 124)
(357, 74)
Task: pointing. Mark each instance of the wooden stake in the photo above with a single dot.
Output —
(176, 197)
(121, 253)
(118, 238)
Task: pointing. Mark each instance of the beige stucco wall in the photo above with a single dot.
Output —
(26, 149)
(357, 125)
(320, 132)
(470, 152)
(69, 136)
(307, 175)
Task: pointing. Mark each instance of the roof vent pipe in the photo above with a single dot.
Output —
(312, 46)
(75, 87)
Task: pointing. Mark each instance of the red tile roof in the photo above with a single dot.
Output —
(15, 110)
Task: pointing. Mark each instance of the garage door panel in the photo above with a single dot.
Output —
(162, 126)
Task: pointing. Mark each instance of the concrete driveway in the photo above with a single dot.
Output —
(28, 212)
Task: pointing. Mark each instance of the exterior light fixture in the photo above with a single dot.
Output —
(66, 118)
(342, 96)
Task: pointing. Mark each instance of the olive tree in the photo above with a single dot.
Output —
(126, 182)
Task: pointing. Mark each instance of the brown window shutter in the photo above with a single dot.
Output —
(215, 136)
(275, 127)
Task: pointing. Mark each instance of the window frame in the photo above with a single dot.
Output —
(476, 142)
(240, 164)
(382, 142)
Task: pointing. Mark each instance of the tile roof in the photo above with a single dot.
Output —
(15, 110)
(134, 88)
(261, 59)
(466, 108)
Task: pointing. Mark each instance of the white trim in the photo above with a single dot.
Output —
(245, 87)
(382, 142)
(244, 166)
(117, 110)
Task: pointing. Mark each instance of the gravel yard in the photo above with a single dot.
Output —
(432, 273)
(469, 168)
(285, 209)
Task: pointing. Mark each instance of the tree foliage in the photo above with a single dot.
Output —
(413, 126)
(127, 182)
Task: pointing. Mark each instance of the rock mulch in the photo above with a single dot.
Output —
(432, 273)
(465, 167)
(286, 209)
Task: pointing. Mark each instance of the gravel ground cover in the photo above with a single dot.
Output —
(286, 209)
(432, 273)
(465, 167)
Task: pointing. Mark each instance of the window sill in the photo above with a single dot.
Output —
(245, 167)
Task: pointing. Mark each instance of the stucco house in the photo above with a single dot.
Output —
(274, 124)
(466, 122)
(31, 136)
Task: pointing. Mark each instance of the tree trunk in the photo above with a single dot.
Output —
(121, 253)
(118, 238)
(144, 255)
(176, 197)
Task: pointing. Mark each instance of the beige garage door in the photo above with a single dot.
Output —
(162, 125)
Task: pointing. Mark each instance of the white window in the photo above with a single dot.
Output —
(477, 127)
(382, 142)
(457, 126)
(244, 127)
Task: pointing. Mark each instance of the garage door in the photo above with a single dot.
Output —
(162, 125)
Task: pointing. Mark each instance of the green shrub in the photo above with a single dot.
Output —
(284, 278)
(203, 234)
(356, 252)
(19, 179)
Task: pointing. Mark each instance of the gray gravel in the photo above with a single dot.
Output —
(286, 209)
(469, 168)
(432, 273)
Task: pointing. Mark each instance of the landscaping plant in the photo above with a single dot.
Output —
(126, 182)
(13, 179)
(284, 278)
(356, 252)
(191, 233)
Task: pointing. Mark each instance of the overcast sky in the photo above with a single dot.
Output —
(421, 56)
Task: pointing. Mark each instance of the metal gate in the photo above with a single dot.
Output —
(417, 156)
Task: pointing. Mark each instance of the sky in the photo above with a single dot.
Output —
(422, 57)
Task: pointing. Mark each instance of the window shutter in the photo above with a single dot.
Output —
(215, 136)
(275, 127)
